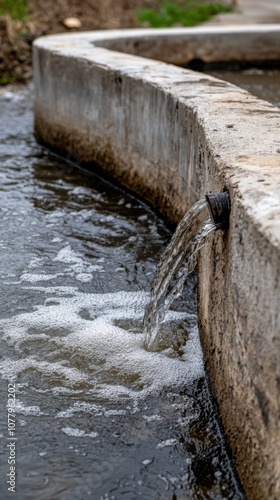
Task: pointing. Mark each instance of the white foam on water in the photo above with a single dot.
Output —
(152, 418)
(81, 407)
(56, 214)
(147, 462)
(68, 256)
(35, 262)
(84, 277)
(81, 190)
(69, 431)
(167, 442)
(99, 353)
(15, 95)
(76, 264)
(33, 278)
(65, 391)
(28, 410)
(12, 369)
(91, 408)
(110, 413)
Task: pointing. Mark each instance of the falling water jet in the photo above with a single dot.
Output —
(179, 259)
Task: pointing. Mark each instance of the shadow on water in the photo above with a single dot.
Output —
(97, 416)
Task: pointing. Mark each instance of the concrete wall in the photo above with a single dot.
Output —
(172, 135)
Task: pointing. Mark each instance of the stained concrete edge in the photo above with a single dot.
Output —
(172, 135)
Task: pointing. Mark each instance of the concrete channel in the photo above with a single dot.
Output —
(117, 99)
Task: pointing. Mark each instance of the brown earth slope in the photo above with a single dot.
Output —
(48, 16)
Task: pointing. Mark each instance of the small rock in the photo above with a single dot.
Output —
(72, 22)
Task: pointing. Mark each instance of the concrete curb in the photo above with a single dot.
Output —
(172, 135)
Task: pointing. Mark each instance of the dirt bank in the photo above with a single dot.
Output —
(48, 16)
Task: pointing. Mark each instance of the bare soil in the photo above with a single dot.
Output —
(47, 17)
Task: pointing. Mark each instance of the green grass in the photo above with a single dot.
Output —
(188, 13)
(7, 79)
(17, 9)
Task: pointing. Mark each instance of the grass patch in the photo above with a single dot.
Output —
(17, 9)
(187, 13)
(7, 79)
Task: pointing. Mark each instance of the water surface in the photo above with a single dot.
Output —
(97, 416)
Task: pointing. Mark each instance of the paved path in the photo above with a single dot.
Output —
(251, 12)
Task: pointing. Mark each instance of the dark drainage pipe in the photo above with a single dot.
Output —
(219, 206)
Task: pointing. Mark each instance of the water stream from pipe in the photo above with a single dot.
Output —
(178, 260)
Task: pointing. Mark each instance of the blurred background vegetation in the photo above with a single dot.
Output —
(186, 13)
(21, 21)
(17, 9)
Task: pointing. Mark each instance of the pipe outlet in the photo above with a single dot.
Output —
(219, 207)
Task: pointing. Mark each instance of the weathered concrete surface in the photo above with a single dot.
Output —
(181, 46)
(172, 135)
(250, 12)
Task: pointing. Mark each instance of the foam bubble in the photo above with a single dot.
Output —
(147, 462)
(35, 262)
(81, 190)
(167, 442)
(14, 96)
(28, 410)
(68, 256)
(33, 278)
(12, 369)
(78, 432)
(91, 408)
(84, 277)
(81, 407)
(102, 352)
(152, 418)
(76, 264)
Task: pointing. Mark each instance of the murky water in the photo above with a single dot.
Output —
(263, 83)
(97, 416)
(177, 262)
